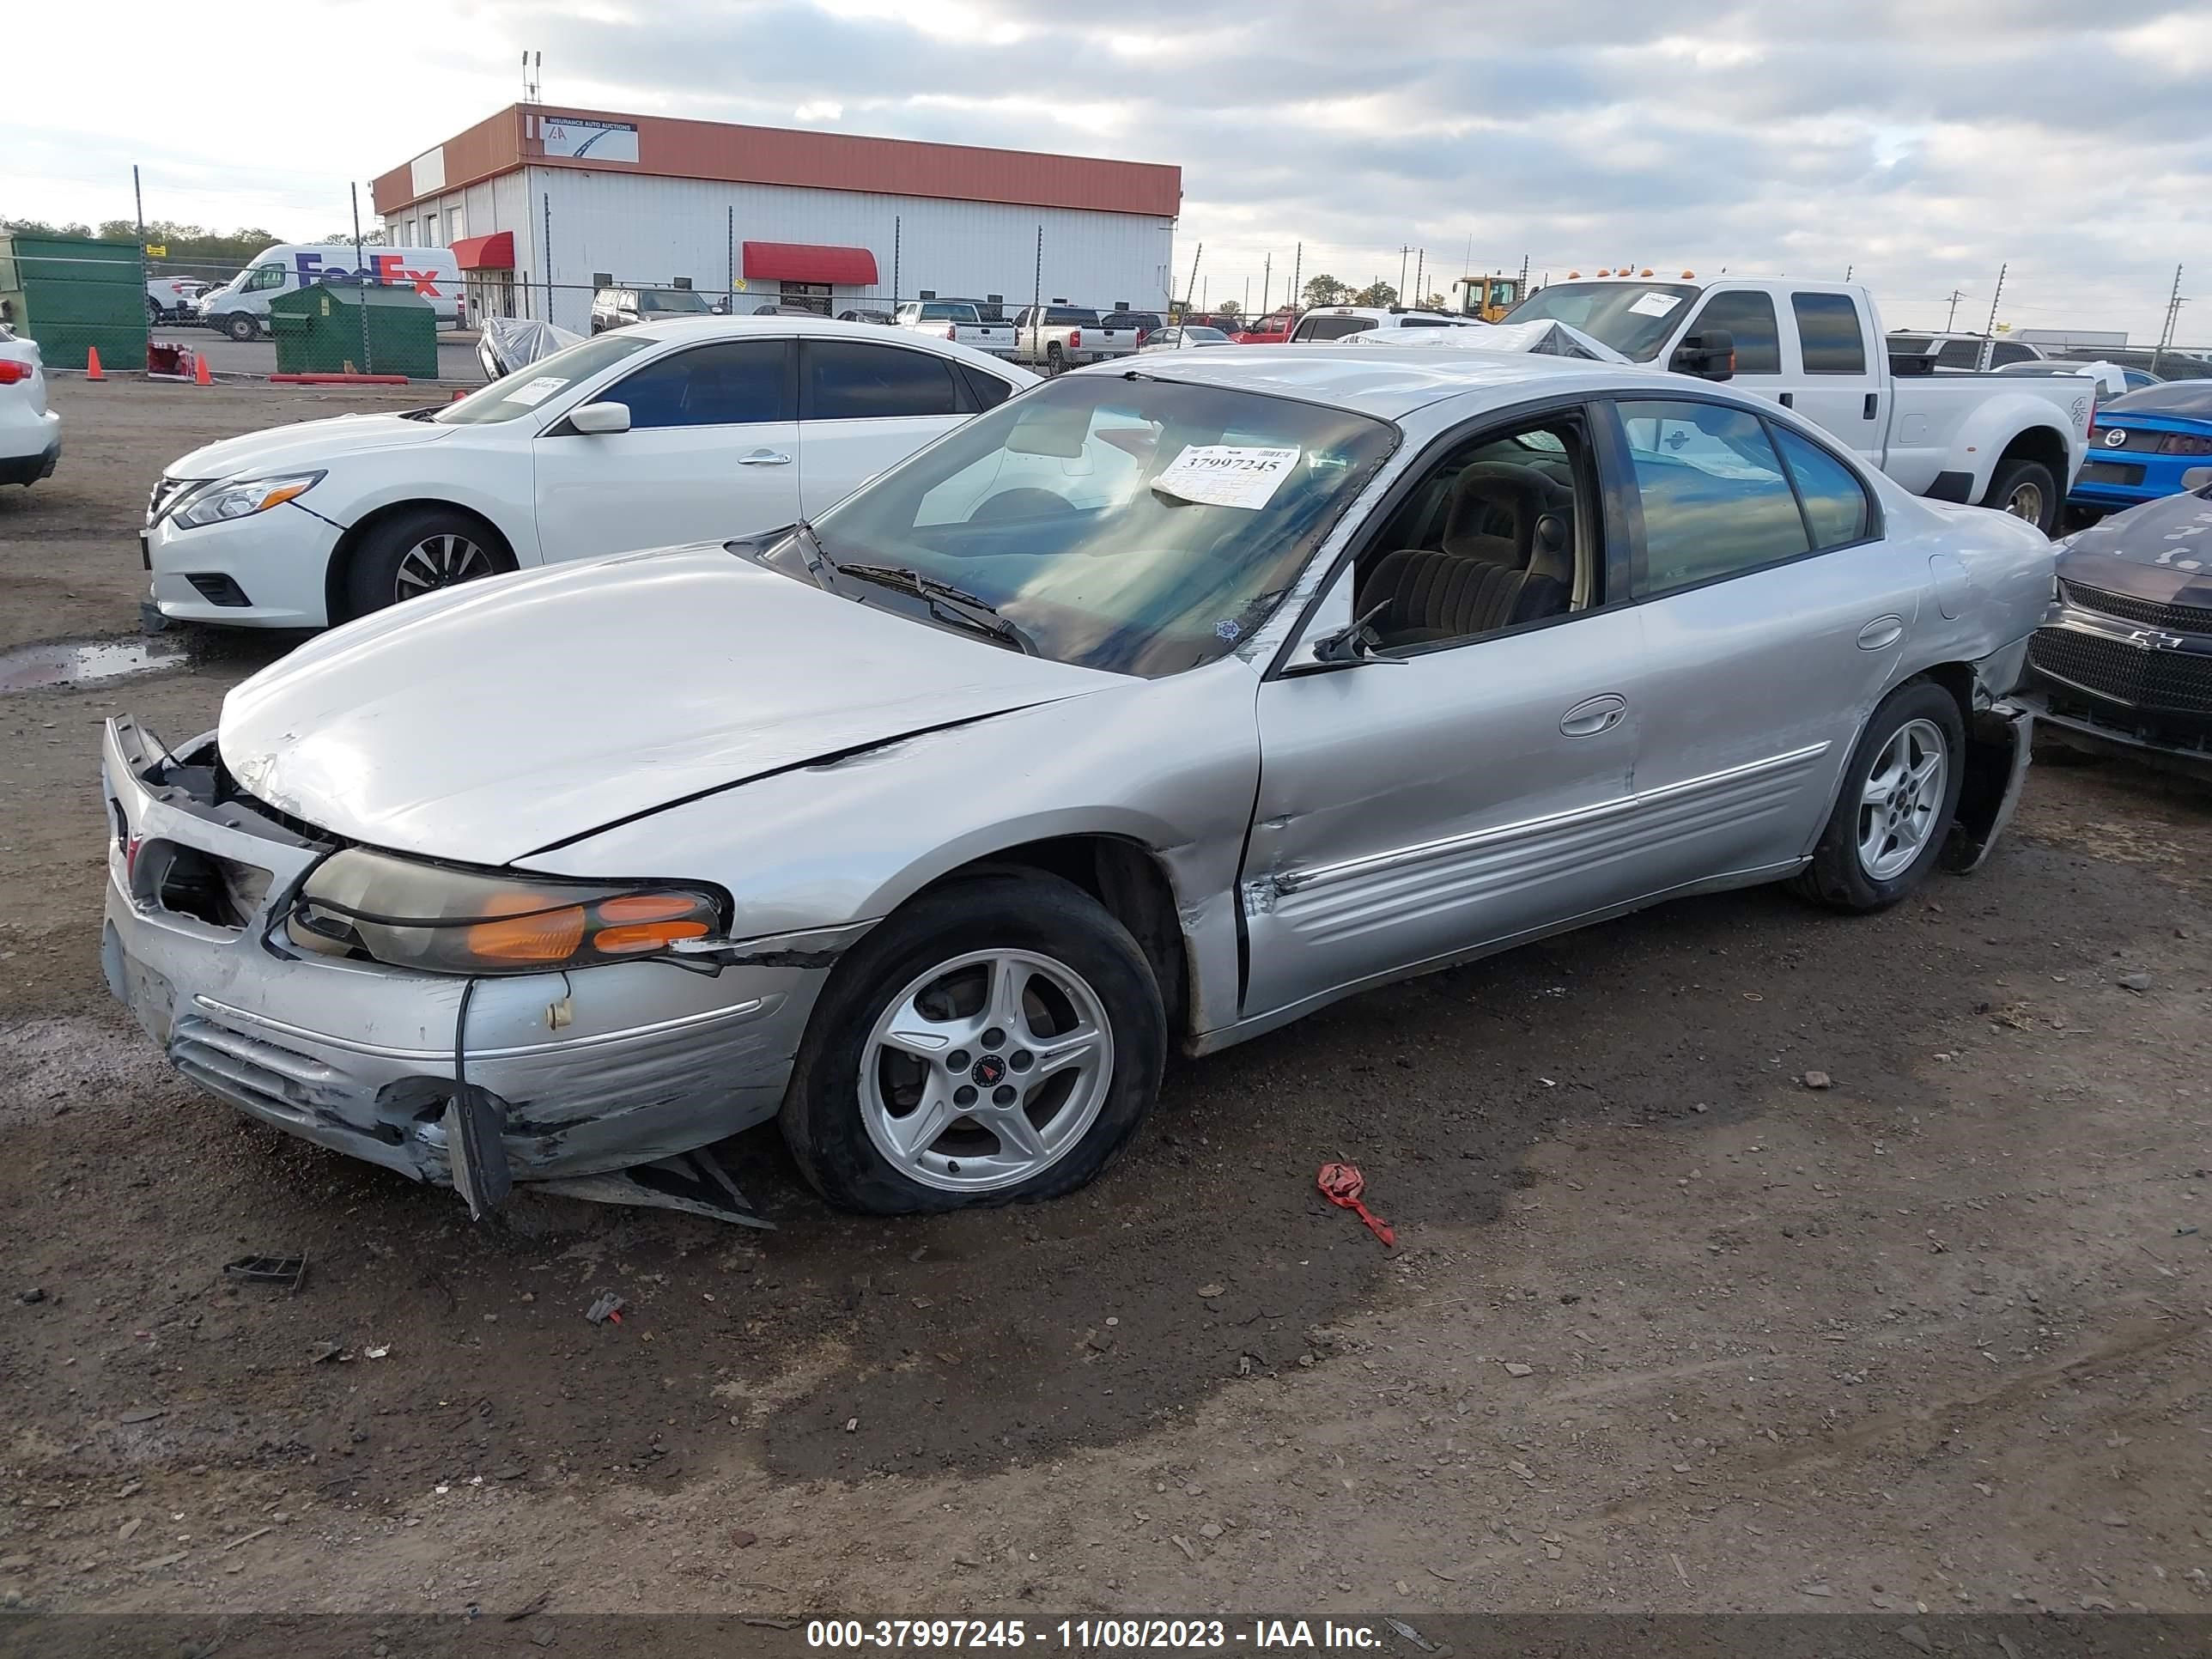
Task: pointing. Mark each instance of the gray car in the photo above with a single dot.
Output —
(1143, 711)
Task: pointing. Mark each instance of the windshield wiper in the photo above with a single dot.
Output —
(947, 602)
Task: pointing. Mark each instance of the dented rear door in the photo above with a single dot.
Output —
(1416, 811)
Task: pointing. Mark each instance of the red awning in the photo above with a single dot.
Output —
(802, 262)
(492, 252)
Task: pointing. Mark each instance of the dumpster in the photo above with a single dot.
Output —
(73, 293)
(353, 328)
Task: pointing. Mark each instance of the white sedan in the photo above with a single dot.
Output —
(30, 433)
(668, 432)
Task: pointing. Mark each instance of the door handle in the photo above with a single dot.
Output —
(1789, 400)
(1881, 632)
(1594, 715)
(764, 458)
(1872, 407)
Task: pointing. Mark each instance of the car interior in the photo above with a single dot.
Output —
(1501, 533)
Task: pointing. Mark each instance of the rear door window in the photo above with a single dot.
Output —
(1828, 333)
(859, 380)
(1836, 505)
(1716, 501)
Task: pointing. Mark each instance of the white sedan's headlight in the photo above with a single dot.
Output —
(243, 498)
(446, 920)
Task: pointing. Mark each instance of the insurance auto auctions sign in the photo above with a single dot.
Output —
(592, 140)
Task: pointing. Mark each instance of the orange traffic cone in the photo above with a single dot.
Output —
(92, 364)
(199, 370)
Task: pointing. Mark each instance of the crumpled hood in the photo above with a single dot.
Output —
(309, 443)
(498, 718)
(2159, 552)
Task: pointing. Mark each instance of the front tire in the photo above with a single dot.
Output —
(240, 326)
(1894, 810)
(414, 553)
(2026, 489)
(994, 1042)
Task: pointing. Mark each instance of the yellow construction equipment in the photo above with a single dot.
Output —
(1488, 298)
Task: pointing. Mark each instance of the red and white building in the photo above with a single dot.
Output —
(539, 204)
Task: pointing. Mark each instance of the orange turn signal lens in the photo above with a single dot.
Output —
(647, 907)
(633, 937)
(547, 936)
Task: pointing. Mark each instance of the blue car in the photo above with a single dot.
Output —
(2140, 445)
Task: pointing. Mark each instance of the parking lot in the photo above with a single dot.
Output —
(1749, 1257)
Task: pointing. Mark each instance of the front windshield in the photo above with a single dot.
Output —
(522, 392)
(1634, 318)
(1134, 525)
(671, 301)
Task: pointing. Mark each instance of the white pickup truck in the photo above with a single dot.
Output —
(957, 320)
(1065, 336)
(2013, 442)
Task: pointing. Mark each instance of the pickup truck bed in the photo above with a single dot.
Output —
(956, 320)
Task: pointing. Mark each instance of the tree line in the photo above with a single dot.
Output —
(212, 251)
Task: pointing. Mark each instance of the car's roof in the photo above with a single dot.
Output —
(1387, 382)
(787, 324)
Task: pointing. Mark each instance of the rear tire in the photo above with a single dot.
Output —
(855, 1092)
(2027, 491)
(1055, 360)
(415, 552)
(1881, 814)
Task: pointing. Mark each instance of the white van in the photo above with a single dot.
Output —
(240, 307)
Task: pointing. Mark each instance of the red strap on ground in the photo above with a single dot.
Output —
(1341, 1185)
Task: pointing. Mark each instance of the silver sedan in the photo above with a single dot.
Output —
(1185, 337)
(1144, 711)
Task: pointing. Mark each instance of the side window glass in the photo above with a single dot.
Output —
(1829, 334)
(988, 390)
(1501, 533)
(266, 276)
(735, 383)
(1835, 500)
(852, 381)
(1716, 502)
(1749, 316)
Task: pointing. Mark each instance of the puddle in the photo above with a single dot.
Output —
(37, 667)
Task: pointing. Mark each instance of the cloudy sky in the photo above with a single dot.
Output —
(1918, 145)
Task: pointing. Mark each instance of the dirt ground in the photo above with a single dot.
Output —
(1668, 1328)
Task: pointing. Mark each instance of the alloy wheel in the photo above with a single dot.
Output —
(1901, 799)
(986, 1070)
(437, 562)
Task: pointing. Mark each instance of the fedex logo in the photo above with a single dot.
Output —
(382, 268)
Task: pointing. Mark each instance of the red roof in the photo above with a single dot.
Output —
(493, 252)
(804, 262)
(674, 148)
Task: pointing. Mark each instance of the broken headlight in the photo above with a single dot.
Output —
(445, 921)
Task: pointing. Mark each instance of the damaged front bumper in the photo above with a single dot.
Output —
(583, 1073)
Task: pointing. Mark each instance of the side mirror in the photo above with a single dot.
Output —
(2198, 477)
(597, 419)
(1709, 355)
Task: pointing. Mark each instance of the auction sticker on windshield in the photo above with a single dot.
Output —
(535, 391)
(1226, 475)
(1655, 305)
